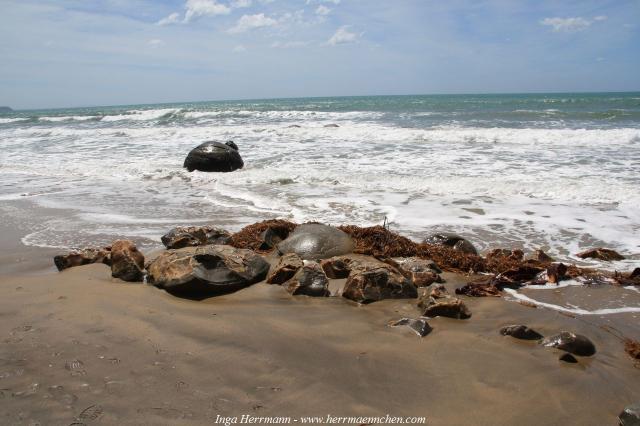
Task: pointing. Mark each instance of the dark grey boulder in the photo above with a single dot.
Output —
(201, 272)
(630, 416)
(575, 344)
(568, 358)
(214, 157)
(520, 332)
(314, 241)
(451, 240)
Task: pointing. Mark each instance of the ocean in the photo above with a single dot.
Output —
(553, 171)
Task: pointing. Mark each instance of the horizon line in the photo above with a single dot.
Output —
(319, 97)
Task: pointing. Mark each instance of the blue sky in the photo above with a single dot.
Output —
(107, 52)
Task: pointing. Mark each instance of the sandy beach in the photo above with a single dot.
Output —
(80, 347)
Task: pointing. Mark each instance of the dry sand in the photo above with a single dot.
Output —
(79, 346)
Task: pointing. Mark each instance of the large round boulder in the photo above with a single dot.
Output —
(205, 271)
(214, 157)
(314, 241)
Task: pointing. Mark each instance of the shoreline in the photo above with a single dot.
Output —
(83, 346)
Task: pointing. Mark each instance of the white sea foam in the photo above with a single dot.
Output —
(12, 120)
(572, 310)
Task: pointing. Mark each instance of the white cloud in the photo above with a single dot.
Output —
(570, 25)
(197, 8)
(323, 1)
(288, 44)
(238, 4)
(171, 19)
(239, 49)
(343, 36)
(250, 22)
(323, 10)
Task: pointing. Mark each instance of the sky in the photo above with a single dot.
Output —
(67, 53)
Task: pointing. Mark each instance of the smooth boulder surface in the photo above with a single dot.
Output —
(192, 236)
(575, 344)
(520, 332)
(214, 157)
(450, 307)
(310, 280)
(83, 257)
(600, 254)
(127, 263)
(314, 241)
(201, 272)
(285, 269)
(630, 416)
(451, 240)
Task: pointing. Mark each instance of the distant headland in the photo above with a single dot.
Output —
(4, 109)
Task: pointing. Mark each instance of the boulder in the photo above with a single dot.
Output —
(520, 332)
(314, 241)
(568, 358)
(191, 236)
(127, 263)
(285, 269)
(271, 236)
(480, 288)
(370, 280)
(575, 344)
(451, 240)
(422, 272)
(600, 254)
(83, 257)
(556, 272)
(438, 292)
(541, 256)
(331, 125)
(214, 157)
(450, 307)
(630, 416)
(310, 280)
(205, 271)
(420, 326)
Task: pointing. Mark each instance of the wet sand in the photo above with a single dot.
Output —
(79, 346)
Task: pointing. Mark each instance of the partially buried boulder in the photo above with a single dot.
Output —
(127, 263)
(575, 344)
(310, 280)
(600, 254)
(201, 272)
(314, 241)
(214, 157)
(191, 236)
(450, 307)
(369, 279)
(630, 416)
(451, 240)
(285, 269)
(83, 257)
(520, 332)
(420, 326)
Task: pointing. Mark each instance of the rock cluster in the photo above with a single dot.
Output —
(192, 236)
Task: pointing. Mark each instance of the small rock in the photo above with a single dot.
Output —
(83, 257)
(630, 416)
(567, 357)
(310, 280)
(451, 240)
(438, 292)
(422, 272)
(192, 236)
(285, 269)
(520, 332)
(418, 326)
(127, 263)
(576, 344)
(541, 256)
(601, 254)
(556, 272)
(450, 307)
(331, 125)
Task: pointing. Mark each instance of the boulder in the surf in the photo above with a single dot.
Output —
(575, 344)
(314, 241)
(205, 271)
(191, 236)
(83, 257)
(214, 157)
(451, 240)
(127, 262)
